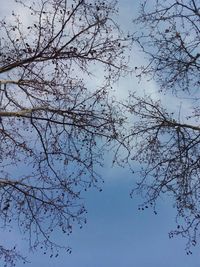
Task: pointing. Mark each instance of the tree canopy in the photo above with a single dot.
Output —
(57, 121)
(54, 126)
(168, 142)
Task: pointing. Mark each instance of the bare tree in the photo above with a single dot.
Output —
(167, 144)
(54, 127)
(170, 38)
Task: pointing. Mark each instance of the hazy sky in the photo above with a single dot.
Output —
(117, 234)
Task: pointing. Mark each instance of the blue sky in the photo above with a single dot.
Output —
(117, 234)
